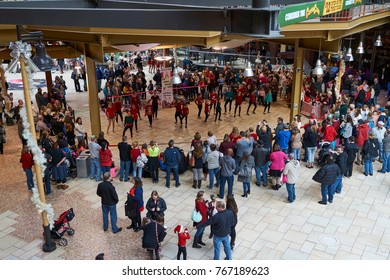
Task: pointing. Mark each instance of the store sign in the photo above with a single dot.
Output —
(301, 12)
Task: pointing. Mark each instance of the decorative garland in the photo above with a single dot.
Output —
(24, 50)
(338, 78)
(7, 101)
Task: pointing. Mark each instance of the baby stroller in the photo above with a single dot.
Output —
(61, 226)
(325, 150)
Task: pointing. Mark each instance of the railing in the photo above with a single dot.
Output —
(356, 12)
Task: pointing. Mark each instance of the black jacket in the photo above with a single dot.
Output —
(159, 204)
(265, 137)
(351, 149)
(261, 155)
(124, 151)
(152, 237)
(310, 138)
(341, 161)
(222, 223)
(327, 174)
(108, 193)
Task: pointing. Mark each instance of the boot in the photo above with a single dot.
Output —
(64, 187)
(232, 243)
(199, 183)
(195, 184)
(200, 240)
(151, 254)
(195, 244)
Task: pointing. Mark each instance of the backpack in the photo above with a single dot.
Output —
(373, 149)
(142, 159)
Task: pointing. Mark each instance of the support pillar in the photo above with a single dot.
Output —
(299, 54)
(93, 96)
(49, 81)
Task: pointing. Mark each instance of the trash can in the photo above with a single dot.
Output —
(83, 163)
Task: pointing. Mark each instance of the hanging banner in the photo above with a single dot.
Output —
(297, 13)
(167, 88)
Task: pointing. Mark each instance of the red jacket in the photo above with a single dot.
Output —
(148, 110)
(182, 238)
(329, 134)
(134, 113)
(362, 134)
(185, 111)
(118, 106)
(238, 99)
(213, 97)
(27, 160)
(110, 112)
(105, 157)
(201, 207)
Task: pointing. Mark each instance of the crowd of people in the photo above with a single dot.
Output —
(354, 129)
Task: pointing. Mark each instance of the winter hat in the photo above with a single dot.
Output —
(178, 229)
(381, 123)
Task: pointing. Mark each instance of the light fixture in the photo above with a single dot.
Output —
(41, 59)
(349, 54)
(176, 80)
(318, 69)
(378, 42)
(360, 49)
(248, 72)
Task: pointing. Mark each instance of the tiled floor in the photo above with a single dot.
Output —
(355, 226)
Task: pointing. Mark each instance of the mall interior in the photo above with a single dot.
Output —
(291, 33)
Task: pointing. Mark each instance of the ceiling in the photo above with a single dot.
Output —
(97, 40)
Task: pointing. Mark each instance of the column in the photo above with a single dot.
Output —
(94, 104)
(297, 81)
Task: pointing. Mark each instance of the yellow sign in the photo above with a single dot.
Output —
(332, 6)
(313, 10)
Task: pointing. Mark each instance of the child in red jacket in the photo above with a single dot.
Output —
(183, 235)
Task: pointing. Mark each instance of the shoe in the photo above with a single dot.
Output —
(248, 192)
(257, 184)
(265, 185)
(358, 163)
(288, 201)
(321, 202)
(243, 195)
(330, 201)
(371, 174)
(64, 187)
(119, 230)
(130, 227)
(210, 235)
(136, 230)
(105, 229)
(380, 171)
(178, 185)
(337, 191)
(365, 174)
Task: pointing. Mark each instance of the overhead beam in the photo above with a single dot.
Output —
(52, 51)
(138, 39)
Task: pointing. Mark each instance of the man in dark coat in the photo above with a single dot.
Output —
(341, 161)
(327, 177)
(222, 223)
(109, 198)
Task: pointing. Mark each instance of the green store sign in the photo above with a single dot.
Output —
(301, 12)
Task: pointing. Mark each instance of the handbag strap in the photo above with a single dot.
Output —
(158, 241)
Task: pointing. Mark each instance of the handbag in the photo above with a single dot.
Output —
(244, 172)
(196, 216)
(284, 178)
(192, 160)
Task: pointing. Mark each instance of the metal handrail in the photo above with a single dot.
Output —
(356, 12)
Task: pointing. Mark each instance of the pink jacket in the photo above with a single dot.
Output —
(277, 159)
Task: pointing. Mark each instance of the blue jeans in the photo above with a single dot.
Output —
(213, 172)
(124, 170)
(105, 169)
(386, 162)
(29, 175)
(380, 150)
(137, 171)
(311, 151)
(261, 174)
(217, 240)
(46, 181)
(368, 167)
(199, 232)
(338, 184)
(95, 169)
(112, 210)
(222, 185)
(59, 173)
(290, 191)
(285, 151)
(327, 192)
(246, 187)
(175, 175)
(297, 153)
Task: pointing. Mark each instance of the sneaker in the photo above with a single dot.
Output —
(321, 202)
